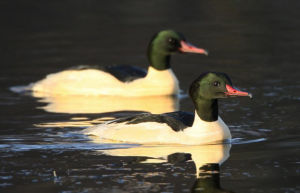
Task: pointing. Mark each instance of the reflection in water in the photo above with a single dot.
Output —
(100, 104)
(208, 180)
(207, 159)
(201, 154)
(75, 122)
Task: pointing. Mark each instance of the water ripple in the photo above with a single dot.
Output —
(66, 146)
(243, 141)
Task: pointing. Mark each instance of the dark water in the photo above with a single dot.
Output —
(255, 42)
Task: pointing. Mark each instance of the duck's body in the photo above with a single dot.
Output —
(123, 80)
(99, 82)
(169, 128)
(204, 127)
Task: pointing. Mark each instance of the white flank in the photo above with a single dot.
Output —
(96, 82)
(201, 132)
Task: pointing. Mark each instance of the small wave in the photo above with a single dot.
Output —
(19, 89)
(182, 95)
(66, 146)
(244, 141)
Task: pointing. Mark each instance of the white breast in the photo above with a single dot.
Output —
(96, 82)
(208, 131)
(155, 83)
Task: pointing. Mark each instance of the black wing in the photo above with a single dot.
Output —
(124, 73)
(185, 117)
(178, 121)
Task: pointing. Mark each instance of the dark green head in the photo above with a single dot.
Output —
(165, 43)
(209, 87)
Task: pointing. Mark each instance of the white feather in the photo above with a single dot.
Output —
(201, 132)
(97, 82)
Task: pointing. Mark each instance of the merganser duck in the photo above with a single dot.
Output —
(204, 127)
(123, 80)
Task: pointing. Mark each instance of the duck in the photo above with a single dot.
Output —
(205, 126)
(123, 80)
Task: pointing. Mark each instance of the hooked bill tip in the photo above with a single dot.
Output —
(205, 52)
(250, 96)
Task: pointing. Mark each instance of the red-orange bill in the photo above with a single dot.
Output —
(187, 47)
(234, 92)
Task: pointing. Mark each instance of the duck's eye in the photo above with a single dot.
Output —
(217, 83)
(171, 40)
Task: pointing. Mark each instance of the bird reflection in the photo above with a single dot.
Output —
(207, 159)
(101, 104)
(208, 180)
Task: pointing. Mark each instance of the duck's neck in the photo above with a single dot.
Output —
(159, 60)
(207, 110)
